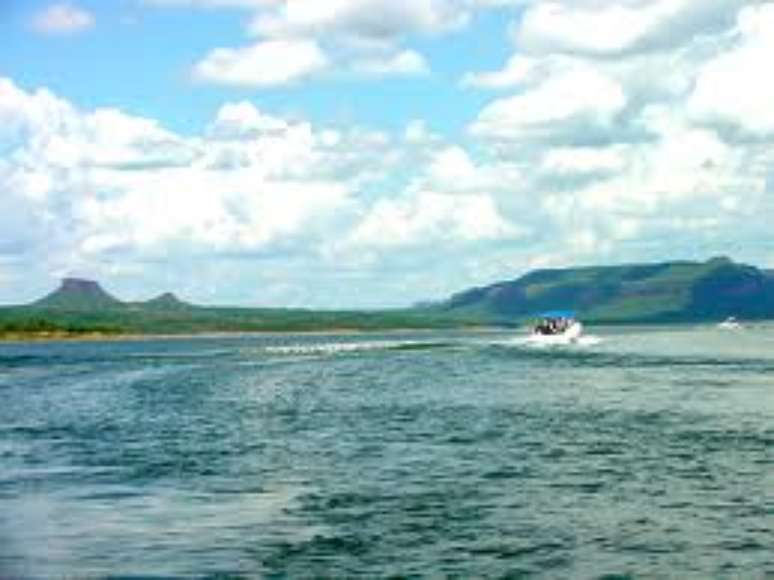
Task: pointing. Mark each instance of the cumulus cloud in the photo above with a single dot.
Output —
(517, 70)
(633, 122)
(239, 120)
(264, 64)
(654, 141)
(579, 99)
(376, 19)
(430, 218)
(92, 183)
(451, 169)
(249, 4)
(589, 27)
(407, 62)
(687, 186)
(299, 38)
(584, 160)
(417, 133)
(736, 88)
(63, 18)
(108, 194)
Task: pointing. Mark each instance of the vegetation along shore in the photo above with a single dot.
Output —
(668, 292)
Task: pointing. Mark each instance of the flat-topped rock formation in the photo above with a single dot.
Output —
(79, 294)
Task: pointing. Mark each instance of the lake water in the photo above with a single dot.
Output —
(647, 455)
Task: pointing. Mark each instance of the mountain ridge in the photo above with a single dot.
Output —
(670, 291)
(664, 292)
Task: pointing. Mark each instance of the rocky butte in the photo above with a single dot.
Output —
(78, 294)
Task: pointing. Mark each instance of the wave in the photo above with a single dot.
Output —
(182, 354)
(333, 348)
(540, 342)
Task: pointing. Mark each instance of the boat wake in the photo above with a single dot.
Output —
(547, 341)
(327, 349)
(333, 348)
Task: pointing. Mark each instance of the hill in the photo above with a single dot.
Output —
(166, 302)
(664, 292)
(635, 293)
(80, 307)
(78, 294)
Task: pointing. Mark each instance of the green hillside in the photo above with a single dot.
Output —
(641, 293)
(665, 292)
(81, 307)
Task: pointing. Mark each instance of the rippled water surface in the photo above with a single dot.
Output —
(647, 454)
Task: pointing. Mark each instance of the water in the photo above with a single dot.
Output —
(647, 454)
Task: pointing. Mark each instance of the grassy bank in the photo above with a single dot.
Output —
(32, 324)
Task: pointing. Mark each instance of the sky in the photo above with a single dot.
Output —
(376, 153)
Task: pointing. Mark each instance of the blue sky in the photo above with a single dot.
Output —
(140, 55)
(365, 153)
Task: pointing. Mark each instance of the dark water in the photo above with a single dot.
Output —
(648, 455)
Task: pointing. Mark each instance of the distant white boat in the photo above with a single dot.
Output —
(730, 323)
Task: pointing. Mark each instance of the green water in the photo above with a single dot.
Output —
(647, 454)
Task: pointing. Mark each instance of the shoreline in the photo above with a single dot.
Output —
(102, 336)
(42, 337)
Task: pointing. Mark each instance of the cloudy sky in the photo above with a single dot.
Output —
(363, 153)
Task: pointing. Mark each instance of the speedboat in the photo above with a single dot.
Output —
(556, 328)
(730, 323)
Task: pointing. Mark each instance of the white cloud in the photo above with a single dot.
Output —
(682, 188)
(407, 62)
(451, 170)
(736, 87)
(249, 4)
(641, 159)
(418, 133)
(40, 127)
(499, 3)
(86, 184)
(264, 64)
(684, 165)
(589, 27)
(518, 70)
(91, 195)
(578, 99)
(212, 211)
(374, 19)
(452, 165)
(63, 18)
(429, 218)
(584, 160)
(652, 142)
(243, 119)
(38, 112)
(299, 38)
(364, 36)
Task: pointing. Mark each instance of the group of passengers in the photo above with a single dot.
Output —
(550, 326)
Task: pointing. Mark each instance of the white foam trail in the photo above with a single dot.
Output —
(341, 347)
(589, 340)
(540, 341)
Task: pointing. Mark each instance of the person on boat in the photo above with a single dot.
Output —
(554, 323)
